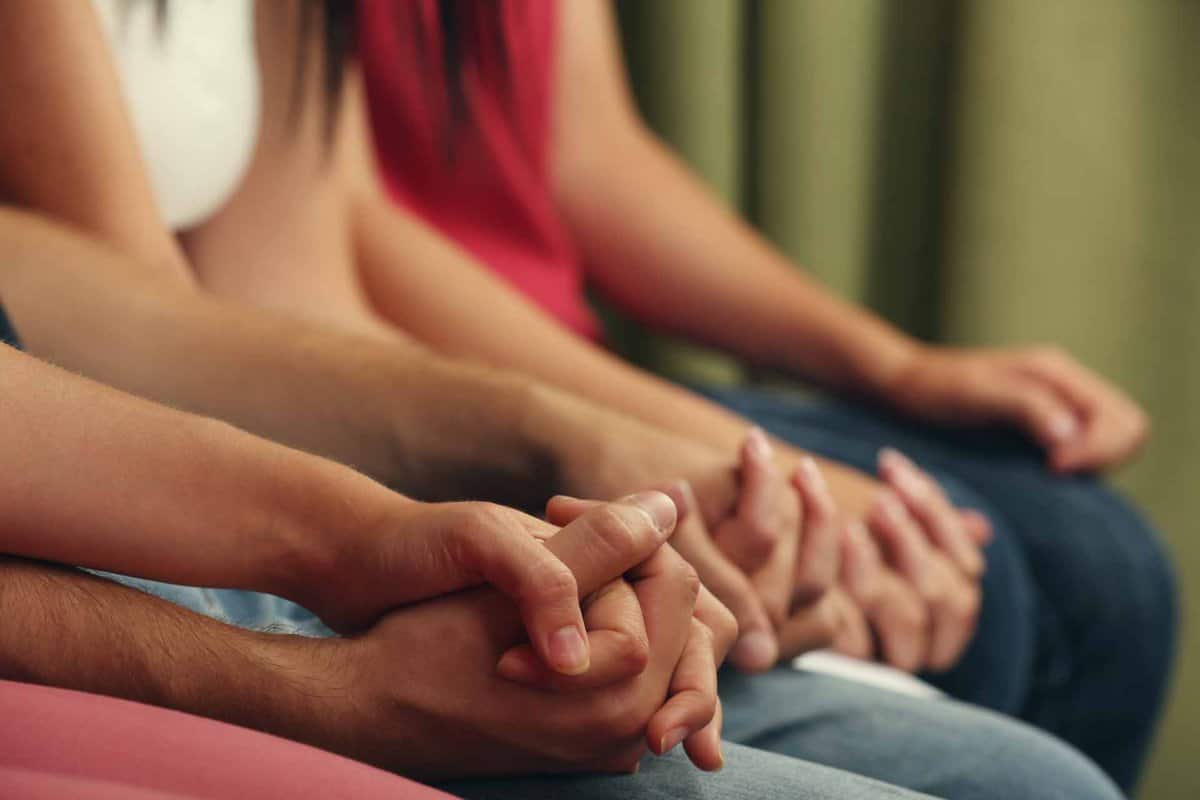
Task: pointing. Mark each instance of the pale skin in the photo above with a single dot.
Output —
(358, 391)
(112, 482)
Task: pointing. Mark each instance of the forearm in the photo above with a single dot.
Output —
(101, 479)
(407, 268)
(388, 408)
(69, 629)
(665, 250)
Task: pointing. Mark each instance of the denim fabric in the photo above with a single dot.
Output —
(1078, 627)
(868, 742)
(8, 334)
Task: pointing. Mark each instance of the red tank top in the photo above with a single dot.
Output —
(483, 181)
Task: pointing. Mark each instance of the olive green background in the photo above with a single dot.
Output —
(985, 172)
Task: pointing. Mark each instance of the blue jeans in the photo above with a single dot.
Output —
(789, 735)
(1078, 626)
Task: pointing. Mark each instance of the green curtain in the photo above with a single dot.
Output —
(983, 172)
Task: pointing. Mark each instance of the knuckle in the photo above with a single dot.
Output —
(912, 619)
(620, 530)
(1049, 354)
(624, 718)
(633, 650)
(549, 578)
(686, 577)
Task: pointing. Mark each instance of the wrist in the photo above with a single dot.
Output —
(881, 362)
(320, 515)
(292, 686)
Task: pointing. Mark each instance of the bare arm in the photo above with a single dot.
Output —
(669, 253)
(66, 628)
(130, 314)
(105, 480)
(395, 412)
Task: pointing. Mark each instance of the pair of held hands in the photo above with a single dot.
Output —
(572, 644)
(576, 649)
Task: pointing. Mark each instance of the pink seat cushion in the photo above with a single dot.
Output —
(60, 743)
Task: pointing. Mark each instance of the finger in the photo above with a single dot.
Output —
(1115, 426)
(852, 635)
(692, 696)
(862, 565)
(601, 541)
(952, 621)
(904, 543)
(542, 587)
(667, 588)
(810, 628)
(704, 747)
(928, 504)
(901, 621)
(775, 582)
(820, 540)
(1045, 416)
(977, 525)
(620, 646)
(756, 649)
(720, 621)
(750, 536)
(1110, 436)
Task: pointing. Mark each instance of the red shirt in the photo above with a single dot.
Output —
(485, 181)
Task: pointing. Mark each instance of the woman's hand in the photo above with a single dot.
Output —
(924, 604)
(1082, 421)
(425, 687)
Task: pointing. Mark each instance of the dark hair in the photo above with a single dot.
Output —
(337, 20)
(468, 28)
(338, 27)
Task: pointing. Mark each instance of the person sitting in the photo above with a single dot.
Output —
(297, 355)
(511, 129)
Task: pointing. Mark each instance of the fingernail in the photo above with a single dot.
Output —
(671, 739)
(890, 455)
(813, 474)
(756, 650)
(515, 668)
(1063, 427)
(681, 494)
(661, 508)
(911, 483)
(568, 651)
(758, 443)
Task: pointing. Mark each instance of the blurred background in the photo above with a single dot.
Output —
(979, 171)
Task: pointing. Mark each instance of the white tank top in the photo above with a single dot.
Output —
(192, 88)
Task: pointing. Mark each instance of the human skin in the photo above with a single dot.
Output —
(175, 497)
(362, 393)
(381, 696)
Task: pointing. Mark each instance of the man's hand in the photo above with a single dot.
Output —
(422, 687)
(418, 551)
(1080, 420)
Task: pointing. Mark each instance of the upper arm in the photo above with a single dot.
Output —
(592, 97)
(67, 148)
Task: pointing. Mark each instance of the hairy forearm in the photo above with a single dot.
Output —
(670, 254)
(388, 408)
(69, 629)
